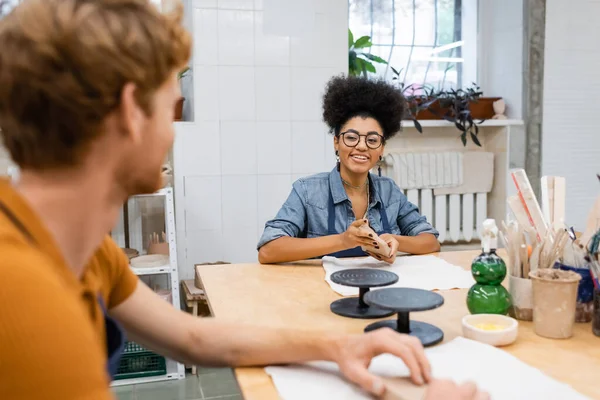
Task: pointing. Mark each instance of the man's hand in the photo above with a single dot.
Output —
(448, 390)
(355, 353)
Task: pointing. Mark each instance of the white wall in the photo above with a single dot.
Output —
(500, 63)
(501, 52)
(570, 137)
(259, 72)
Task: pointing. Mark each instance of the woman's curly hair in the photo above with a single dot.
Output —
(349, 97)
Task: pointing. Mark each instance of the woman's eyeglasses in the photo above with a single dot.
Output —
(351, 139)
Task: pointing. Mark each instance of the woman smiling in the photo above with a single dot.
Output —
(325, 213)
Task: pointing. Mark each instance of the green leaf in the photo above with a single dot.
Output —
(360, 66)
(418, 126)
(363, 42)
(352, 66)
(352, 57)
(375, 58)
(463, 138)
(370, 67)
(475, 139)
(350, 39)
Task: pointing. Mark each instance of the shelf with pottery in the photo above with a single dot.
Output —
(156, 260)
(466, 187)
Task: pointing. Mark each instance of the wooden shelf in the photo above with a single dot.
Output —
(438, 123)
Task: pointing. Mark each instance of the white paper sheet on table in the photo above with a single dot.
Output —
(420, 272)
(502, 375)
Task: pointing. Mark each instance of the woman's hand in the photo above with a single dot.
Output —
(355, 236)
(392, 244)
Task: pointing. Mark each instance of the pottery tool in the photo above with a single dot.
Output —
(547, 198)
(553, 200)
(516, 246)
(547, 252)
(594, 243)
(529, 202)
(592, 224)
(558, 247)
(509, 240)
(558, 215)
(534, 260)
(524, 258)
(515, 205)
(594, 270)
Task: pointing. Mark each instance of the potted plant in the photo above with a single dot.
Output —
(456, 106)
(462, 107)
(359, 62)
(179, 105)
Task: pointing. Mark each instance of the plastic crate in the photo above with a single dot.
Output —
(138, 362)
(133, 347)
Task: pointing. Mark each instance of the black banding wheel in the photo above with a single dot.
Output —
(364, 279)
(403, 301)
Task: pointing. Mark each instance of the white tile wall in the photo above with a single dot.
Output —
(204, 246)
(570, 140)
(269, 49)
(292, 17)
(203, 199)
(201, 155)
(308, 86)
(308, 150)
(274, 135)
(240, 245)
(257, 118)
(273, 190)
(236, 4)
(317, 49)
(236, 37)
(236, 94)
(206, 93)
(273, 88)
(238, 150)
(206, 52)
(239, 202)
(205, 4)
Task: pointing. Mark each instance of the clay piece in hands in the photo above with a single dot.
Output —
(383, 250)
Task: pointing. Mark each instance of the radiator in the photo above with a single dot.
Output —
(457, 217)
(423, 176)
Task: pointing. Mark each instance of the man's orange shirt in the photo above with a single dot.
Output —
(52, 333)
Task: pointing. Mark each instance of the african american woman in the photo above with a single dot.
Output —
(324, 212)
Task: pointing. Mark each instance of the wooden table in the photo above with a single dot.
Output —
(297, 296)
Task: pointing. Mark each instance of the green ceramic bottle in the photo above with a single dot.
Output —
(488, 296)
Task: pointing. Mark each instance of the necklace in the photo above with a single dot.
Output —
(360, 187)
(356, 187)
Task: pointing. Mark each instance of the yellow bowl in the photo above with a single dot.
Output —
(492, 329)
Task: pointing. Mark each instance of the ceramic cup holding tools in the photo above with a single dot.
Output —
(521, 292)
(554, 302)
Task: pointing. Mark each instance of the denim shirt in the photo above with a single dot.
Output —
(304, 214)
